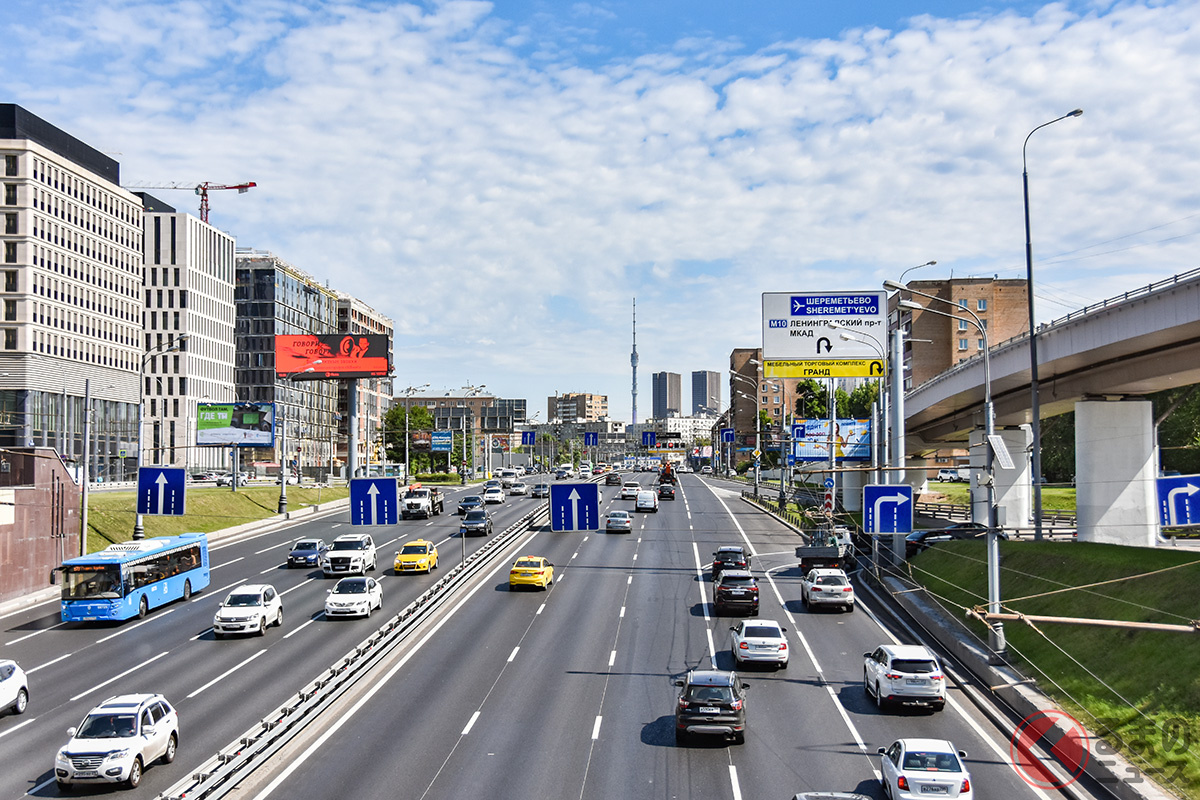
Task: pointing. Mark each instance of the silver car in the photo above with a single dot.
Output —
(619, 521)
(759, 640)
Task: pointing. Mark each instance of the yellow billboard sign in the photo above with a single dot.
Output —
(826, 368)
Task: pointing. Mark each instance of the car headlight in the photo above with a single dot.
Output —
(117, 755)
(61, 757)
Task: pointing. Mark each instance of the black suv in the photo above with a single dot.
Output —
(666, 491)
(736, 590)
(711, 702)
(729, 557)
(612, 479)
(476, 522)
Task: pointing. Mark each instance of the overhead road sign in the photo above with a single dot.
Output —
(887, 508)
(374, 501)
(574, 507)
(727, 435)
(799, 328)
(591, 439)
(441, 441)
(1179, 500)
(161, 490)
(528, 437)
(649, 438)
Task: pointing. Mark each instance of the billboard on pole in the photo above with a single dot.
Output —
(248, 424)
(336, 355)
(824, 335)
(851, 440)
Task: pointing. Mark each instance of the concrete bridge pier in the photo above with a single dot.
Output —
(852, 489)
(1115, 472)
(1013, 486)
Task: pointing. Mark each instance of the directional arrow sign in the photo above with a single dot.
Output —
(727, 435)
(649, 438)
(575, 507)
(1179, 500)
(888, 509)
(591, 439)
(374, 501)
(161, 490)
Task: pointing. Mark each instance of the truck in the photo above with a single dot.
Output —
(422, 501)
(668, 473)
(826, 550)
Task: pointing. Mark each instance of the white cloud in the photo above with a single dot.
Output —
(505, 208)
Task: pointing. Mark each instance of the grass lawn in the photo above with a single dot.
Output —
(1144, 686)
(1054, 498)
(111, 514)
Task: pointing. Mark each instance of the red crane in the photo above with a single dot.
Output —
(201, 189)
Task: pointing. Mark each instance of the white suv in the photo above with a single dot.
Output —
(14, 687)
(117, 740)
(250, 608)
(826, 587)
(630, 489)
(352, 554)
(904, 673)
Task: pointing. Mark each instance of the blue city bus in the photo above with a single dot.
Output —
(129, 578)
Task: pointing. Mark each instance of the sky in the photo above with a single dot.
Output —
(503, 179)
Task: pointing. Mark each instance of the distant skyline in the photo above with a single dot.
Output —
(502, 178)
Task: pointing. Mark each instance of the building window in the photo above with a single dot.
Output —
(980, 347)
(981, 304)
(962, 303)
(10, 281)
(10, 252)
(10, 310)
(10, 194)
(10, 338)
(10, 223)
(962, 344)
(962, 324)
(10, 166)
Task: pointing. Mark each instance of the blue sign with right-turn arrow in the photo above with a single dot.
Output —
(1179, 500)
(888, 508)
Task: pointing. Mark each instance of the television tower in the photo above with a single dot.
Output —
(633, 359)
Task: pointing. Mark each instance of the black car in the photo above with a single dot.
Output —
(736, 590)
(666, 492)
(477, 522)
(918, 541)
(560, 474)
(612, 479)
(711, 702)
(729, 557)
(468, 502)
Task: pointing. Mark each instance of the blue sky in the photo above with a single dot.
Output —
(503, 179)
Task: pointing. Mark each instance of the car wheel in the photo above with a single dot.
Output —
(879, 701)
(135, 773)
(739, 737)
(22, 702)
(279, 619)
(850, 608)
(754, 613)
(172, 746)
(143, 607)
(939, 706)
(187, 591)
(262, 626)
(783, 664)
(370, 608)
(866, 684)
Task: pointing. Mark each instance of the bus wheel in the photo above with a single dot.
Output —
(143, 607)
(187, 591)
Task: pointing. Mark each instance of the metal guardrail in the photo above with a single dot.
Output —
(963, 513)
(233, 763)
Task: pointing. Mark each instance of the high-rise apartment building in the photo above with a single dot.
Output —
(71, 285)
(706, 393)
(667, 395)
(374, 394)
(577, 407)
(188, 293)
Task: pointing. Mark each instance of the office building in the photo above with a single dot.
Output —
(706, 393)
(577, 407)
(667, 395)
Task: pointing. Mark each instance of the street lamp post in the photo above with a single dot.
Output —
(170, 346)
(283, 451)
(408, 392)
(1036, 423)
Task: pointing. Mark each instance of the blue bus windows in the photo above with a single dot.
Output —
(91, 582)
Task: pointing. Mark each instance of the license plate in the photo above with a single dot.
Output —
(707, 710)
(87, 773)
(762, 647)
(918, 682)
(933, 790)
(737, 593)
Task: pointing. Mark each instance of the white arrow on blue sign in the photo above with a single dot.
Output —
(574, 507)
(1179, 500)
(161, 490)
(726, 435)
(591, 439)
(374, 501)
(888, 508)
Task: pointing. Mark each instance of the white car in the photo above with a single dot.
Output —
(585, 474)
(354, 597)
(759, 640)
(250, 608)
(519, 488)
(14, 687)
(493, 494)
(630, 489)
(647, 500)
(352, 554)
(117, 740)
(706, 470)
(826, 587)
(904, 673)
(923, 768)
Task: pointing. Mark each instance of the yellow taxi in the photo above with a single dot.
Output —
(419, 555)
(531, 571)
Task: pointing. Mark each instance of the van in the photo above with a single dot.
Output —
(507, 477)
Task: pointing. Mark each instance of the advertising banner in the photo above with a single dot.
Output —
(419, 441)
(248, 424)
(441, 441)
(319, 356)
(851, 440)
(499, 444)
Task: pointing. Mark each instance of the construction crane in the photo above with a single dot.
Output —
(201, 189)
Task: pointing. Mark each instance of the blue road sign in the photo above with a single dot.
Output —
(829, 483)
(574, 507)
(888, 509)
(727, 435)
(374, 501)
(528, 437)
(1179, 500)
(649, 438)
(441, 441)
(791, 460)
(591, 439)
(160, 490)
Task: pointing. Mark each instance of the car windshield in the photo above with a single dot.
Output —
(414, 550)
(351, 587)
(306, 544)
(350, 544)
(830, 580)
(417, 493)
(476, 515)
(244, 600)
(735, 554)
(619, 515)
(472, 499)
(107, 726)
(931, 762)
(737, 580)
(762, 632)
(710, 694)
(914, 666)
(528, 563)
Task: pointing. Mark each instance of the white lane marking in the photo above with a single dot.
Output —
(302, 626)
(35, 633)
(737, 789)
(297, 586)
(596, 727)
(39, 787)
(639, 541)
(226, 674)
(612, 658)
(846, 718)
(269, 569)
(470, 724)
(137, 625)
(629, 580)
(227, 563)
(201, 634)
(712, 648)
(48, 663)
(585, 538)
(635, 555)
(17, 726)
(541, 608)
(427, 524)
(287, 544)
(118, 677)
(574, 555)
(622, 614)
(700, 581)
(336, 525)
(513, 654)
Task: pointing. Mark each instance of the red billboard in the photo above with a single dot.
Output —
(334, 355)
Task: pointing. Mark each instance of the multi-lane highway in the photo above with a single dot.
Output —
(560, 694)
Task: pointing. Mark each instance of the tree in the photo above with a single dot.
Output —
(812, 400)
(861, 399)
(419, 419)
